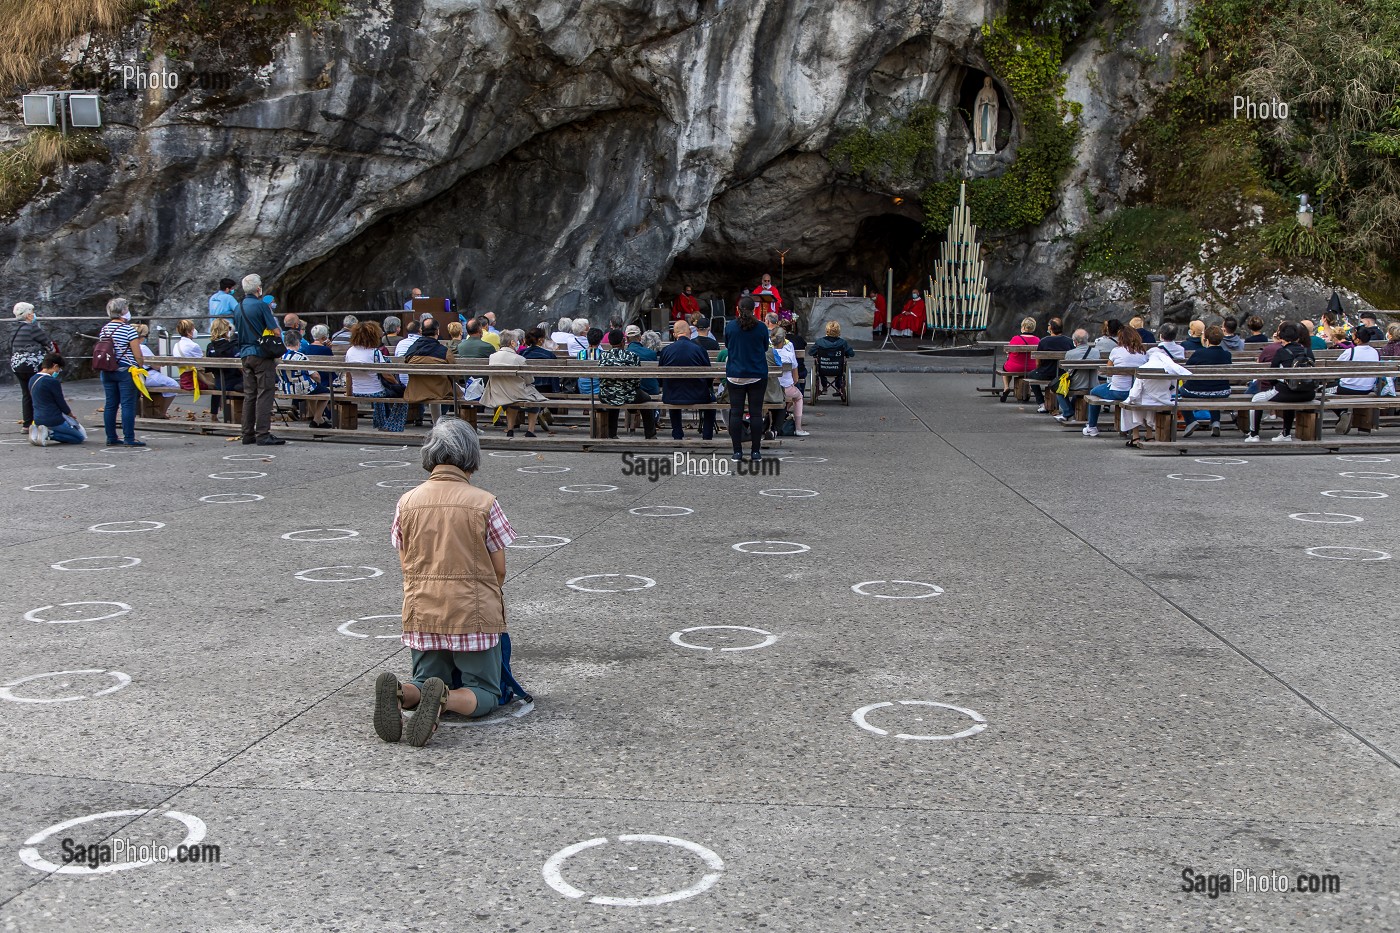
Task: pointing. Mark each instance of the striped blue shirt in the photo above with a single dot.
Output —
(122, 333)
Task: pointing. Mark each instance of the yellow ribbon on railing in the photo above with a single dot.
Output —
(194, 378)
(138, 376)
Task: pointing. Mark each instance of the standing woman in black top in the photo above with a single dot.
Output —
(27, 348)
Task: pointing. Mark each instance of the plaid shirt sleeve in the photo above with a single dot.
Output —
(395, 533)
(499, 534)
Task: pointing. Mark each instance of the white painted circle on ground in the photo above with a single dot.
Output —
(231, 498)
(341, 534)
(7, 690)
(306, 575)
(789, 493)
(125, 449)
(923, 591)
(588, 487)
(79, 467)
(400, 483)
(543, 468)
(510, 453)
(344, 628)
(1221, 461)
(553, 874)
(771, 547)
(238, 474)
(858, 717)
(1348, 553)
(678, 638)
(105, 562)
(803, 459)
(250, 458)
(29, 855)
(1196, 477)
(1368, 474)
(1326, 518)
(574, 584)
(384, 464)
(383, 450)
(55, 487)
(114, 528)
(15, 440)
(1362, 458)
(1355, 494)
(660, 511)
(122, 609)
(515, 709)
(535, 541)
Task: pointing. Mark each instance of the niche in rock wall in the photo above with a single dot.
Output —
(974, 82)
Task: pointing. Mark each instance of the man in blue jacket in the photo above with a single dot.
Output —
(251, 320)
(52, 416)
(683, 351)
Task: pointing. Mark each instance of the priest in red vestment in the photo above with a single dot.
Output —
(765, 287)
(878, 328)
(911, 320)
(685, 303)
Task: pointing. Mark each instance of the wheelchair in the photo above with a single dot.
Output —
(831, 366)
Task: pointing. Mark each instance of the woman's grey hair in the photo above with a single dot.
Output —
(778, 334)
(566, 325)
(392, 323)
(452, 442)
(320, 332)
(651, 340)
(580, 326)
(117, 307)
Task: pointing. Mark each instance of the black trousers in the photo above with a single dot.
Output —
(648, 421)
(1284, 395)
(752, 396)
(707, 423)
(24, 372)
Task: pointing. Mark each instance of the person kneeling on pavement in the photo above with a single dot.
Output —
(451, 536)
(53, 419)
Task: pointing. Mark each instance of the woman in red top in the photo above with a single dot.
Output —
(1019, 362)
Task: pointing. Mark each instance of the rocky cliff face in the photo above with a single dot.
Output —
(531, 154)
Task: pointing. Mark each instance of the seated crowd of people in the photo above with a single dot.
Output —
(1164, 368)
(405, 348)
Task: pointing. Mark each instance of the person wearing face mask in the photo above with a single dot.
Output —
(911, 319)
(28, 345)
(685, 305)
(53, 419)
(118, 387)
(765, 287)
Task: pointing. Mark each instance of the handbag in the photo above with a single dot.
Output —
(390, 385)
(270, 345)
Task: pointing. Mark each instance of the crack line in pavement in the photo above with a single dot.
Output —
(1317, 707)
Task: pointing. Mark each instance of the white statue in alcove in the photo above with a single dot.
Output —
(985, 118)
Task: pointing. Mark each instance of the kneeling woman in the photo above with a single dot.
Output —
(451, 536)
(53, 419)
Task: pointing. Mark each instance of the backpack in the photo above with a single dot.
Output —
(104, 354)
(510, 687)
(1307, 361)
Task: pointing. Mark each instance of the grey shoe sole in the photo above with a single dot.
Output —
(388, 722)
(425, 717)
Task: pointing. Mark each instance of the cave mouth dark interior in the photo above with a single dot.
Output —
(884, 241)
(881, 241)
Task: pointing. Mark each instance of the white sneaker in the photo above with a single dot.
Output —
(1251, 439)
(1041, 410)
(1062, 419)
(1283, 439)
(1091, 432)
(802, 433)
